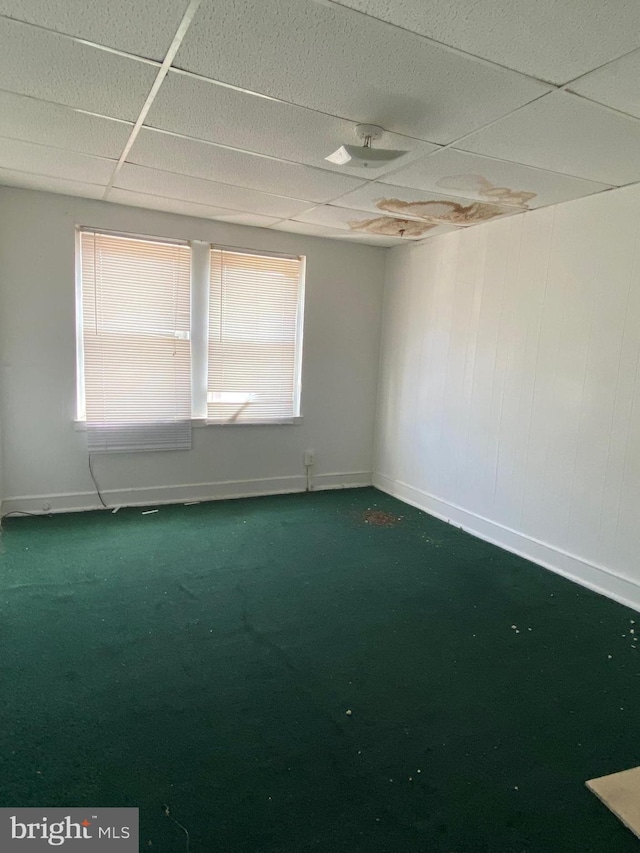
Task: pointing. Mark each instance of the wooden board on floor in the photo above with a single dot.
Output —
(620, 792)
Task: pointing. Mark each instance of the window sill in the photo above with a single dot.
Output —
(199, 423)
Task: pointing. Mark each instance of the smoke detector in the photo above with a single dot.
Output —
(364, 155)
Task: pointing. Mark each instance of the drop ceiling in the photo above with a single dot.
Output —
(226, 109)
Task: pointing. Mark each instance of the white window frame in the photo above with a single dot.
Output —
(297, 399)
(200, 277)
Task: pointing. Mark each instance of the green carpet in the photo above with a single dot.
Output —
(205, 657)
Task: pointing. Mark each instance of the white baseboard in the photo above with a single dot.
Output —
(157, 495)
(352, 480)
(594, 577)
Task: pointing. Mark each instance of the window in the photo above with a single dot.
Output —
(135, 343)
(253, 352)
(149, 361)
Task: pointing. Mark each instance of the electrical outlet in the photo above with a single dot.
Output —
(309, 458)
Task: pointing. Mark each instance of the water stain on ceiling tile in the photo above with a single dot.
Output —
(443, 212)
(390, 226)
(479, 185)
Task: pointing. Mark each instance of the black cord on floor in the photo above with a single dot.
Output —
(39, 515)
(96, 484)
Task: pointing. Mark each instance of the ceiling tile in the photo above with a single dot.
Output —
(291, 226)
(565, 133)
(555, 41)
(54, 68)
(484, 179)
(419, 205)
(169, 185)
(325, 58)
(203, 110)
(204, 160)
(188, 208)
(615, 84)
(62, 127)
(42, 160)
(9, 178)
(237, 217)
(143, 27)
(350, 219)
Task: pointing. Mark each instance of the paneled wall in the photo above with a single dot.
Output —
(509, 396)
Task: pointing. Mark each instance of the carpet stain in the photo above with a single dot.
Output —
(380, 518)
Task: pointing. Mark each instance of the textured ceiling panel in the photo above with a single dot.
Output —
(203, 160)
(54, 68)
(484, 179)
(188, 208)
(348, 65)
(48, 184)
(362, 221)
(564, 133)
(143, 27)
(42, 160)
(294, 77)
(420, 205)
(615, 85)
(218, 114)
(308, 228)
(61, 127)
(555, 40)
(169, 185)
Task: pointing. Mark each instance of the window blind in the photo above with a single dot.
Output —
(135, 298)
(255, 305)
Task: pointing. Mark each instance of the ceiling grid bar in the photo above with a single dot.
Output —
(181, 32)
(221, 118)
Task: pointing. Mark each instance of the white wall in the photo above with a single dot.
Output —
(509, 388)
(45, 458)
